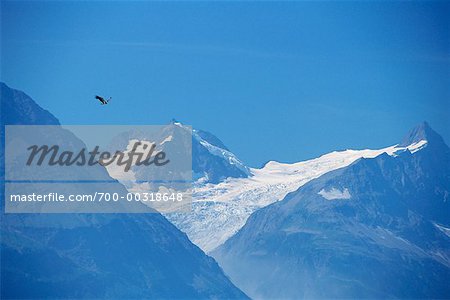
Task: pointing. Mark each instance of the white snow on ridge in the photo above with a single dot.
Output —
(217, 151)
(167, 139)
(220, 210)
(413, 148)
(443, 229)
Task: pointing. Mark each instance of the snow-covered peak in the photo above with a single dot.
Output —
(176, 122)
(422, 132)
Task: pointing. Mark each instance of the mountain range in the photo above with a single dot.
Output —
(96, 255)
(348, 224)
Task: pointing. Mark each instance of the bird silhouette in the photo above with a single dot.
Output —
(102, 100)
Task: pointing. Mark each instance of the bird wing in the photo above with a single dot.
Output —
(101, 99)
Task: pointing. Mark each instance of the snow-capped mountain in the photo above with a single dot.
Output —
(212, 161)
(226, 192)
(119, 256)
(378, 228)
(220, 209)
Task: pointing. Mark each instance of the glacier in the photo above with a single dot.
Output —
(220, 209)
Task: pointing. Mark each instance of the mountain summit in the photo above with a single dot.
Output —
(378, 228)
(422, 132)
(18, 108)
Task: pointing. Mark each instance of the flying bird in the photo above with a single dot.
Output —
(102, 100)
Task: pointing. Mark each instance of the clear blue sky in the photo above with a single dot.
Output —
(275, 81)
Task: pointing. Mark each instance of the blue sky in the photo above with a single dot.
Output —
(279, 81)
